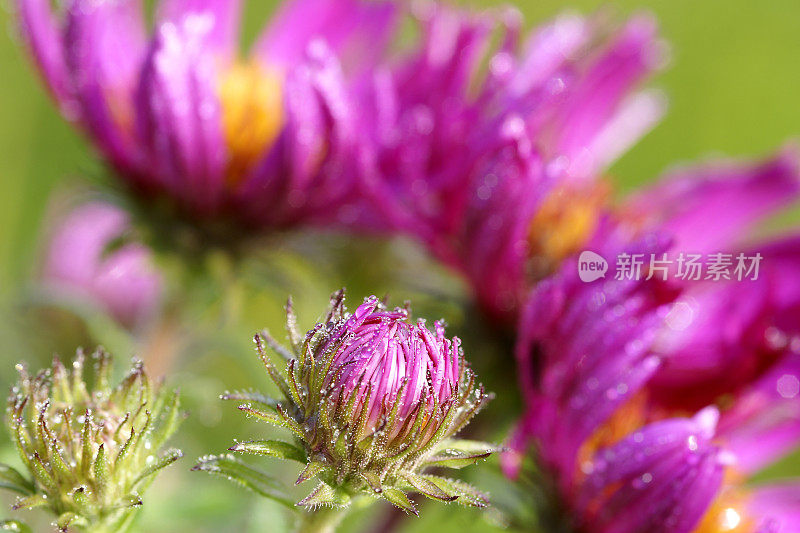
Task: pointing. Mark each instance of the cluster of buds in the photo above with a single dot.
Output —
(89, 449)
(372, 401)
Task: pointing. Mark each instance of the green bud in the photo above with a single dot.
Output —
(88, 450)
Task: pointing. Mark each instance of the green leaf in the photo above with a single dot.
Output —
(325, 496)
(232, 468)
(271, 448)
(12, 480)
(14, 525)
(399, 499)
(427, 486)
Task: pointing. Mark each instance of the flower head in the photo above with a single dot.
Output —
(596, 376)
(263, 140)
(81, 262)
(497, 172)
(89, 451)
(373, 401)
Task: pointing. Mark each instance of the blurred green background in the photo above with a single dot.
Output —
(733, 83)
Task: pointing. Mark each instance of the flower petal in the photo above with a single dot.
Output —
(42, 31)
(595, 98)
(222, 15)
(106, 45)
(364, 27)
(707, 208)
(179, 112)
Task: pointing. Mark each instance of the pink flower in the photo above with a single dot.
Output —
(81, 263)
(479, 166)
(264, 141)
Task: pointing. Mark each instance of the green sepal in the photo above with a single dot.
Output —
(399, 499)
(80, 498)
(167, 459)
(271, 448)
(279, 419)
(324, 495)
(251, 397)
(467, 446)
(311, 470)
(467, 494)
(101, 467)
(11, 479)
(169, 421)
(31, 502)
(235, 470)
(428, 487)
(69, 519)
(373, 480)
(455, 459)
(129, 501)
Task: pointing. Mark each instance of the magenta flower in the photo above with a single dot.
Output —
(467, 169)
(374, 401)
(266, 140)
(611, 368)
(586, 360)
(81, 263)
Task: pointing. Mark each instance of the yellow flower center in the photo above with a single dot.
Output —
(726, 513)
(252, 114)
(629, 417)
(563, 224)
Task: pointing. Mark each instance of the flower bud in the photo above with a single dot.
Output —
(89, 451)
(373, 400)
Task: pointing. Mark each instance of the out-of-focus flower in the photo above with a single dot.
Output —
(263, 140)
(373, 401)
(82, 262)
(722, 334)
(623, 460)
(497, 171)
(88, 451)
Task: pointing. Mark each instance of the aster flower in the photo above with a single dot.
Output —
(373, 402)
(496, 172)
(619, 459)
(264, 140)
(88, 452)
(81, 262)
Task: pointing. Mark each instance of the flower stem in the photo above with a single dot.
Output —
(324, 520)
